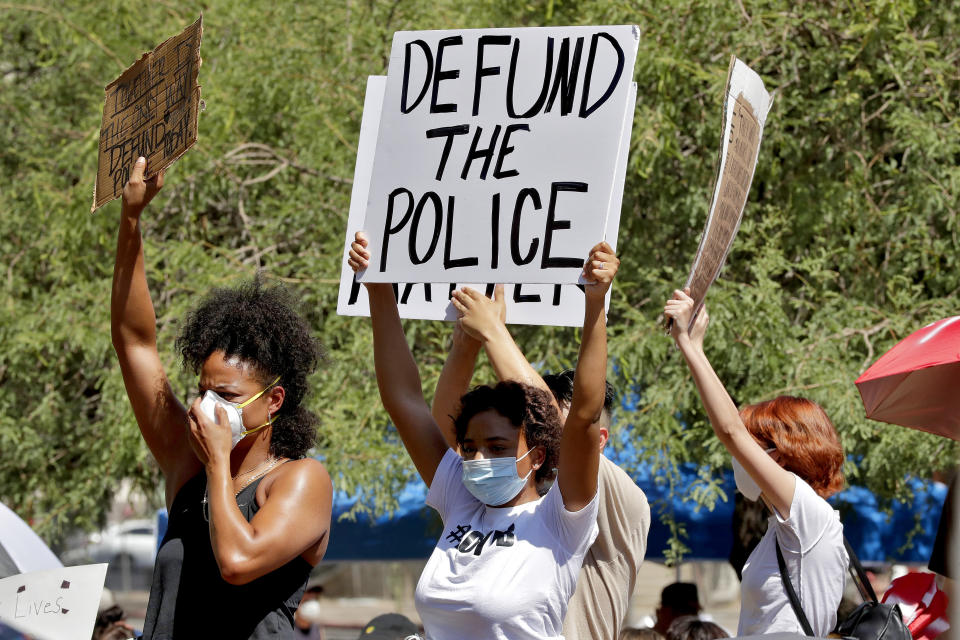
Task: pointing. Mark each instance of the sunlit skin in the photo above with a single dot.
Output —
(236, 381)
(294, 497)
(491, 435)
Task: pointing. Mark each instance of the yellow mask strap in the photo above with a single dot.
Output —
(255, 429)
(265, 389)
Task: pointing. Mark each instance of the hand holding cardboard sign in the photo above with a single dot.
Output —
(481, 317)
(359, 256)
(599, 270)
(138, 193)
(680, 309)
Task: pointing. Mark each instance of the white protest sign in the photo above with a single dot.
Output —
(55, 604)
(745, 108)
(538, 304)
(497, 153)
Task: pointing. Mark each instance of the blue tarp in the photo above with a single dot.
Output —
(413, 530)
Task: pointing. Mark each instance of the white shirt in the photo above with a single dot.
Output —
(811, 540)
(500, 573)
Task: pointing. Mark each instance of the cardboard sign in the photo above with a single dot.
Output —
(497, 153)
(150, 111)
(56, 604)
(745, 109)
(539, 304)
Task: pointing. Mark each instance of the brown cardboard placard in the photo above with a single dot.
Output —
(150, 111)
(742, 130)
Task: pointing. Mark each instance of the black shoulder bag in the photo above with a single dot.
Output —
(872, 620)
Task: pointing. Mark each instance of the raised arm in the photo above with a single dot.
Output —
(776, 482)
(397, 374)
(454, 381)
(160, 416)
(484, 319)
(581, 442)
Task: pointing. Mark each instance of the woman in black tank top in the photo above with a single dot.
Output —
(249, 515)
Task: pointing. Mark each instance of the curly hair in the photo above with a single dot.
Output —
(525, 407)
(804, 437)
(260, 327)
(561, 384)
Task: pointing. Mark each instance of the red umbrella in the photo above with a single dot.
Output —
(917, 383)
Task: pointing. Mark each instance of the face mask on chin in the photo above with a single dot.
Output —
(746, 484)
(494, 481)
(211, 400)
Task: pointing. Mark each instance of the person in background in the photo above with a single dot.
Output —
(643, 633)
(693, 628)
(389, 626)
(787, 453)
(111, 622)
(609, 573)
(249, 513)
(676, 600)
(307, 621)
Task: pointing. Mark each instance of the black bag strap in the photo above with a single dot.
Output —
(859, 575)
(791, 594)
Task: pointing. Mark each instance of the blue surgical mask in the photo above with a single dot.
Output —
(494, 481)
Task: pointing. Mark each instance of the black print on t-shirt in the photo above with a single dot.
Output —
(469, 541)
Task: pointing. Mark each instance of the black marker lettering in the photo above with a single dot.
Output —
(495, 231)
(566, 77)
(449, 133)
(415, 226)
(406, 75)
(556, 295)
(387, 229)
(512, 75)
(554, 225)
(442, 75)
(515, 228)
(518, 296)
(448, 262)
(505, 150)
(584, 110)
(486, 154)
(483, 71)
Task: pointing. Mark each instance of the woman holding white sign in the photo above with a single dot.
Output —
(786, 452)
(507, 561)
(249, 516)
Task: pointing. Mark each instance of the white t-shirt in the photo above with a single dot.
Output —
(811, 540)
(503, 573)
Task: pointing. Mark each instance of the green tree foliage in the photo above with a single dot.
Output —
(849, 241)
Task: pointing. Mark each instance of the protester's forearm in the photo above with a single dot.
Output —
(720, 408)
(454, 381)
(132, 316)
(590, 377)
(508, 360)
(397, 374)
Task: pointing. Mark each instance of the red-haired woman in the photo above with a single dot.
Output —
(786, 452)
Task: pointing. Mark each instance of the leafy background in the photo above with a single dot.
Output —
(849, 241)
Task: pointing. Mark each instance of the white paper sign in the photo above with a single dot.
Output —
(538, 304)
(56, 604)
(497, 153)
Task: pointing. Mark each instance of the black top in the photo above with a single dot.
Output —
(946, 534)
(189, 598)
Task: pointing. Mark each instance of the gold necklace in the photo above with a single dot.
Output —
(273, 462)
(206, 490)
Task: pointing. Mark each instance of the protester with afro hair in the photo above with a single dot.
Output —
(787, 453)
(249, 515)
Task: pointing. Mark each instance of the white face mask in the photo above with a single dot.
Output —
(745, 484)
(494, 481)
(311, 611)
(211, 400)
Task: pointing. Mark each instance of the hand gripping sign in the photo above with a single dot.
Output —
(497, 153)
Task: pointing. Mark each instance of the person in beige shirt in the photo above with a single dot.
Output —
(609, 573)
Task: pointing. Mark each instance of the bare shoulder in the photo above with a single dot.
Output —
(304, 476)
